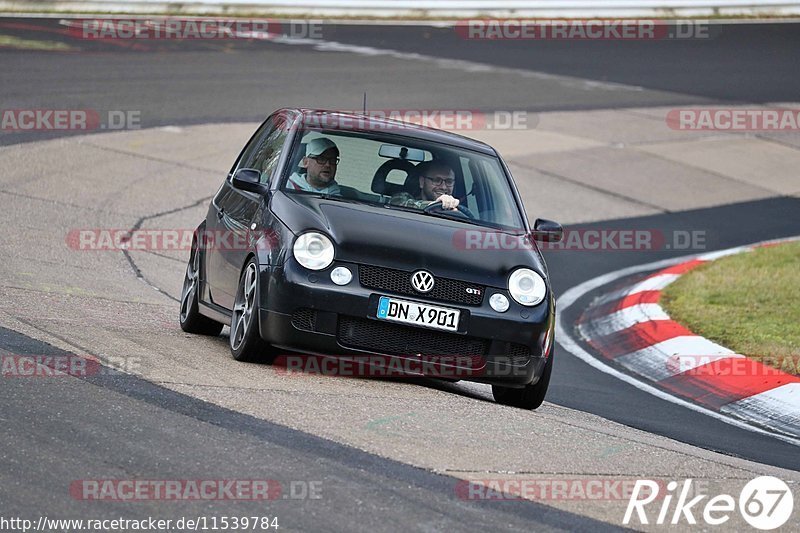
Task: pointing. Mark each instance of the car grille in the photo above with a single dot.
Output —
(399, 281)
(393, 339)
(513, 353)
(304, 318)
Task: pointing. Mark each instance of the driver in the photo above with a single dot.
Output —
(436, 181)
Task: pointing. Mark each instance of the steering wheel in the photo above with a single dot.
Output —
(461, 209)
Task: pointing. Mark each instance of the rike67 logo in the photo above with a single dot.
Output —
(765, 503)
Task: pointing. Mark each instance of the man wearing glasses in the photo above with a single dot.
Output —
(320, 162)
(436, 181)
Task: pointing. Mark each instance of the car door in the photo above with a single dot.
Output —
(232, 212)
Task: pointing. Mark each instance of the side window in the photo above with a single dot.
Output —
(500, 204)
(269, 152)
(265, 150)
(247, 154)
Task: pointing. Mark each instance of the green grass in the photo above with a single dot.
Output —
(749, 302)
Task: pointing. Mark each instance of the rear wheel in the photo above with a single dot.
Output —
(528, 397)
(246, 342)
(190, 318)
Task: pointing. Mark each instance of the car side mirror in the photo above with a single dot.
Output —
(248, 179)
(547, 231)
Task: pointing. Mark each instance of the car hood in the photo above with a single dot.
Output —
(403, 240)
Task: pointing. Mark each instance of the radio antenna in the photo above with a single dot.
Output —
(365, 102)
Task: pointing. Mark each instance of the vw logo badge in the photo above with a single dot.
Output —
(422, 281)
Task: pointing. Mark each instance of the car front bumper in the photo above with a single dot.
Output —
(305, 311)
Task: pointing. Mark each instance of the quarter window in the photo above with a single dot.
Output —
(265, 150)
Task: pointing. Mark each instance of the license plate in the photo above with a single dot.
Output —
(429, 316)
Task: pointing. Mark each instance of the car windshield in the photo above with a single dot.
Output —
(403, 173)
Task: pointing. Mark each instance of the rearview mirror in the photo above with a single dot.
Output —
(401, 152)
(248, 179)
(547, 231)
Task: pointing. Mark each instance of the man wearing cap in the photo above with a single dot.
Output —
(320, 162)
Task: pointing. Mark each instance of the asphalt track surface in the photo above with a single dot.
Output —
(244, 82)
(123, 423)
(236, 81)
(602, 394)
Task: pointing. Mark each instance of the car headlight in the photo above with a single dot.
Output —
(313, 250)
(527, 287)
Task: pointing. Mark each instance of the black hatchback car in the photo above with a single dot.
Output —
(338, 234)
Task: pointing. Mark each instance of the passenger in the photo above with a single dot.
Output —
(436, 181)
(319, 163)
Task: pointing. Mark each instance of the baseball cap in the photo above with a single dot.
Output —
(318, 146)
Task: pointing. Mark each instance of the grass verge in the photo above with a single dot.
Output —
(749, 302)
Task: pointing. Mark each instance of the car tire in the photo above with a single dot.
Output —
(246, 342)
(190, 318)
(528, 397)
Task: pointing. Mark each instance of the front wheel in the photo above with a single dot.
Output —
(246, 342)
(528, 397)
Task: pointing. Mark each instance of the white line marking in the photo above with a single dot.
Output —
(569, 344)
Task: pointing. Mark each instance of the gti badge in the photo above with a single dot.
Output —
(422, 281)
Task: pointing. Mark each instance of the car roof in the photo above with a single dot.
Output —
(367, 123)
